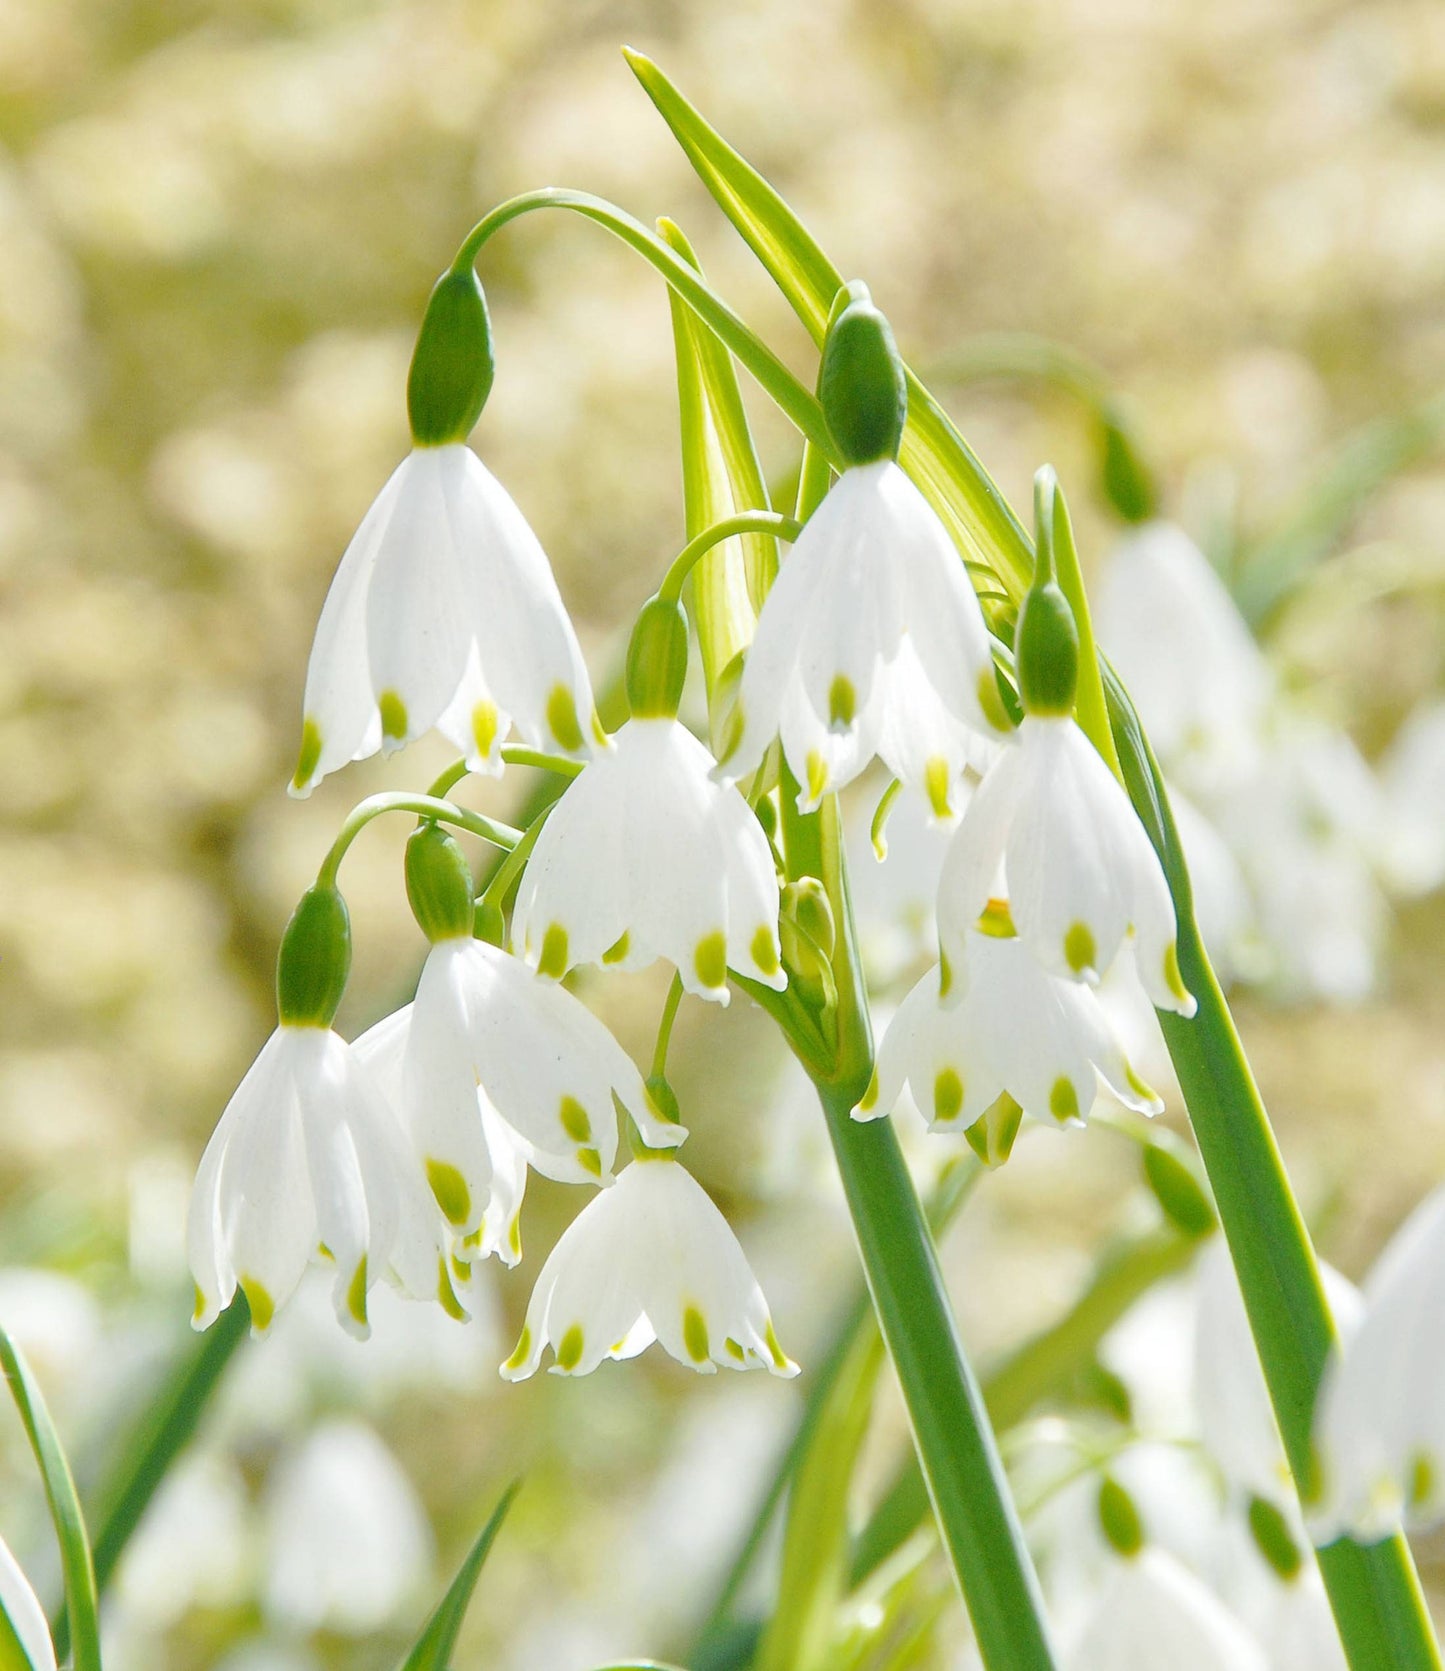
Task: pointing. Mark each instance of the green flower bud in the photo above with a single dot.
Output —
(439, 884)
(1046, 640)
(807, 935)
(452, 365)
(657, 660)
(861, 383)
(1178, 1192)
(1119, 1519)
(1127, 480)
(314, 960)
(1272, 1537)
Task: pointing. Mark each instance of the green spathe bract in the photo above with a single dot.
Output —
(452, 365)
(861, 384)
(657, 660)
(315, 959)
(439, 885)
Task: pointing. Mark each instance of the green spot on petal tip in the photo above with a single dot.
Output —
(1064, 1100)
(562, 719)
(947, 1096)
(393, 716)
(694, 1335)
(574, 1120)
(765, 952)
(356, 1294)
(569, 1349)
(310, 755)
(450, 1189)
(553, 961)
(842, 703)
(263, 1307)
(1080, 950)
(710, 960)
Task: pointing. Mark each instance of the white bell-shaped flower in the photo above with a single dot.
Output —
(1153, 1611)
(484, 1029)
(1380, 1416)
(645, 856)
(1001, 1026)
(444, 612)
(1051, 821)
(309, 1161)
(22, 1620)
(870, 642)
(650, 1259)
(1236, 1418)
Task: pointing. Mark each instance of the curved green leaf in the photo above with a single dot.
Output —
(433, 1650)
(80, 1593)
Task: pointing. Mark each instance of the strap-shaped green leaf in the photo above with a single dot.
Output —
(933, 452)
(721, 476)
(433, 1651)
(80, 1595)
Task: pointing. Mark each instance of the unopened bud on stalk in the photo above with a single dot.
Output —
(861, 382)
(657, 660)
(1046, 641)
(808, 934)
(315, 959)
(1127, 480)
(452, 365)
(439, 884)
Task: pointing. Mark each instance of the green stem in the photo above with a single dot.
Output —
(499, 885)
(664, 1028)
(749, 348)
(515, 755)
(956, 1447)
(1374, 1591)
(746, 522)
(423, 806)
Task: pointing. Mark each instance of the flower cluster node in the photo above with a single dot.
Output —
(439, 885)
(657, 659)
(315, 959)
(861, 382)
(452, 366)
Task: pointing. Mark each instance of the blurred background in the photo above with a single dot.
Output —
(218, 225)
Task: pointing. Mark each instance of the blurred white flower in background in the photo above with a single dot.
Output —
(348, 1545)
(1151, 1600)
(1413, 779)
(894, 899)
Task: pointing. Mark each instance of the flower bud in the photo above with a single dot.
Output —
(1127, 481)
(439, 884)
(861, 383)
(314, 960)
(1118, 1518)
(657, 660)
(1046, 640)
(1178, 1192)
(807, 935)
(452, 365)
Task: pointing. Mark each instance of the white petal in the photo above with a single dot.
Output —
(971, 866)
(1151, 1600)
(420, 605)
(922, 742)
(339, 701)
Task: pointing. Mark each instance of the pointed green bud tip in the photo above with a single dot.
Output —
(315, 959)
(1179, 1193)
(452, 365)
(657, 660)
(439, 884)
(861, 383)
(1119, 1519)
(1127, 481)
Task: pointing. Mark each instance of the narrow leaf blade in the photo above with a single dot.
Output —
(433, 1650)
(933, 453)
(75, 1560)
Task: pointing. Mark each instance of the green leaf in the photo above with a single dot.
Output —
(721, 476)
(80, 1593)
(433, 1650)
(933, 452)
(799, 1634)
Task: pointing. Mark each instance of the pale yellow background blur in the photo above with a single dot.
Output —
(218, 225)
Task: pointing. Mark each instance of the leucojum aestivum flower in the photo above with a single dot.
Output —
(403, 1157)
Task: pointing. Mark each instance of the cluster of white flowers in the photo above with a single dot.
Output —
(405, 1154)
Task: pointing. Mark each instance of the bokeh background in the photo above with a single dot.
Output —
(218, 225)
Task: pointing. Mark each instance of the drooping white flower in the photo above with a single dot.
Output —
(1196, 675)
(21, 1609)
(1380, 1414)
(193, 1546)
(649, 1259)
(1078, 869)
(349, 1543)
(870, 642)
(308, 1160)
(444, 612)
(1003, 1026)
(494, 1069)
(645, 856)
(1232, 1404)
(1153, 1611)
